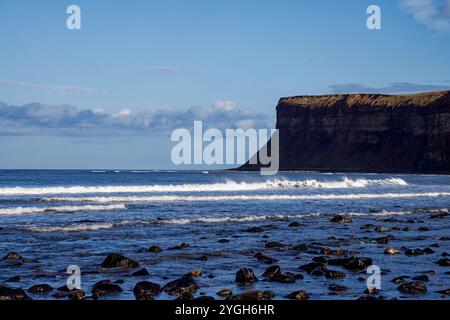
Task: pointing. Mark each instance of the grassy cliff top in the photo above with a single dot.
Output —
(419, 99)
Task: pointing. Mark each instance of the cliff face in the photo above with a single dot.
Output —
(365, 133)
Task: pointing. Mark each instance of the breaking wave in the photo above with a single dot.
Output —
(60, 209)
(213, 187)
(262, 197)
(73, 228)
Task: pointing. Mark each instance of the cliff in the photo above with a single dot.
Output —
(365, 133)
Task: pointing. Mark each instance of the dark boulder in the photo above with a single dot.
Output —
(13, 256)
(225, 293)
(415, 287)
(154, 249)
(337, 288)
(141, 273)
(274, 245)
(40, 288)
(253, 295)
(283, 278)
(7, 293)
(333, 274)
(245, 276)
(298, 295)
(146, 290)
(104, 288)
(340, 219)
(254, 230)
(115, 260)
(271, 271)
(443, 262)
(181, 286)
(265, 259)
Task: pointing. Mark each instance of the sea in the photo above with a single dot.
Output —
(59, 218)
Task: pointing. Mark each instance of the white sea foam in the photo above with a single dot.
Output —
(213, 187)
(253, 218)
(73, 228)
(60, 209)
(261, 197)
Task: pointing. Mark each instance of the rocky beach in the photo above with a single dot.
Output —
(317, 248)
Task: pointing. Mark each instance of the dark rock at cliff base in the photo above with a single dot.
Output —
(104, 288)
(7, 293)
(181, 286)
(115, 260)
(415, 287)
(407, 133)
(146, 290)
(245, 276)
(443, 262)
(298, 295)
(40, 288)
(341, 219)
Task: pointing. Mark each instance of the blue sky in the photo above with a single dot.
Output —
(168, 60)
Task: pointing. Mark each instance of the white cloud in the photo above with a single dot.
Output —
(432, 13)
(68, 120)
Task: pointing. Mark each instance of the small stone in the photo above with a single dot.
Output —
(77, 295)
(301, 247)
(115, 260)
(445, 292)
(223, 241)
(104, 288)
(399, 280)
(13, 256)
(141, 273)
(443, 262)
(298, 295)
(337, 288)
(415, 287)
(341, 219)
(272, 245)
(283, 278)
(7, 293)
(40, 288)
(203, 258)
(294, 224)
(263, 258)
(332, 274)
(271, 271)
(253, 295)
(254, 230)
(225, 293)
(392, 251)
(195, 273)
(154, 249)
(146, 290)
(180, 286)
(382, 229)
(421, 278)
(245, 276)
